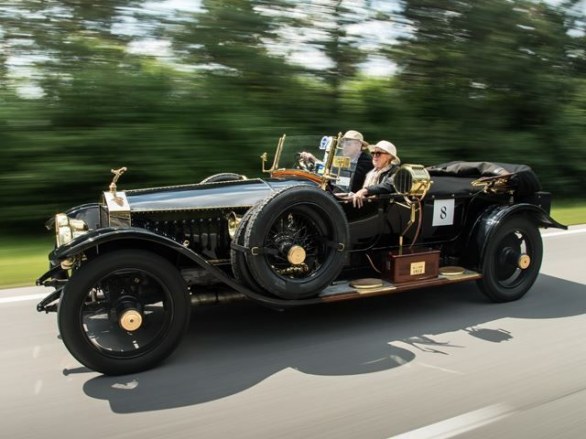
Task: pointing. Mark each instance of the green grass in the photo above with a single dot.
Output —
(569, 212)
(22, 261)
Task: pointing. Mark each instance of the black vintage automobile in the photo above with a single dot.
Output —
(128, 269)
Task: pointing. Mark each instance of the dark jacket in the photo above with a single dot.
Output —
(363, 165)
(385, 185)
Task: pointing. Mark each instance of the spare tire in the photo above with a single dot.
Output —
(224, 176)
(297, 241)
(237, 258)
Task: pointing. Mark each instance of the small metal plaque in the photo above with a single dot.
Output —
(417, 268)
(342, 162)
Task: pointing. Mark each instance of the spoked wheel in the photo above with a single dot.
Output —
(512, 260)
(297, 241)
(124, 312)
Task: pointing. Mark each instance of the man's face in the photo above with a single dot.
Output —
(351, 147)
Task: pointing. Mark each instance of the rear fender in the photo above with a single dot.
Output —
(486, 225)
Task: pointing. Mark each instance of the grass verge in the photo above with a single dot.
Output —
(22, 261)
(569, 212)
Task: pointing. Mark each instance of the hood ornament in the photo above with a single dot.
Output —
(117, 174)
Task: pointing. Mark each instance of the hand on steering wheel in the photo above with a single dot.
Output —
(306, 161)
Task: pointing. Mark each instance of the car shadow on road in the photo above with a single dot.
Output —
(231, 348)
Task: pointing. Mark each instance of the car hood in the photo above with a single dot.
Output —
(231, 194)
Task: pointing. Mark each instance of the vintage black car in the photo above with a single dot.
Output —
(128, 269)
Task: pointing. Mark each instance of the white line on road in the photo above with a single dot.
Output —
(563, 233)
(22, 298)
(459, 424)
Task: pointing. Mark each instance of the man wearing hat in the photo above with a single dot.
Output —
(354, 146)
(385, 163)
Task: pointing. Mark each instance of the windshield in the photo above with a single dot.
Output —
(310, 153)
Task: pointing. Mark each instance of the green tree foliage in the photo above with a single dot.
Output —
(496, 80)
(490, 80)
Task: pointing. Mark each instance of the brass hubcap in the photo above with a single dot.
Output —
(296, 255)
(524, 261)
(130, 320)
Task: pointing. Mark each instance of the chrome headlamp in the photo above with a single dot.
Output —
(67, 229)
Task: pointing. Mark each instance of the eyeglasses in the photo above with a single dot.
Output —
(377, 153)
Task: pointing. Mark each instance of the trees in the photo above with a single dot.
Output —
(490, 79)
(493, 80)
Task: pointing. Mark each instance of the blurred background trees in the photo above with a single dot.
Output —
(178, 94)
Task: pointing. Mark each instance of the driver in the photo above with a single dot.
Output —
(354, 146)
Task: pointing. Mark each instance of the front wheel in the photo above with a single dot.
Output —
(511, 261)
(124, 312)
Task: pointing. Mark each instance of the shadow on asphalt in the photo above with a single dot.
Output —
(231, 348)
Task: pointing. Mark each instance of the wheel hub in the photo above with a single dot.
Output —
(296, 255)
(129, 313)
(524, 261)
(130, 320)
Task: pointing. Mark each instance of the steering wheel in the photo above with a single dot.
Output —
(304, 162)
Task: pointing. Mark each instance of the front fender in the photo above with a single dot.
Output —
(486, 225)
(95, 238)
(99, 237)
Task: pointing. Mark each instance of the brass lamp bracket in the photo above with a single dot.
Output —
(277, 157)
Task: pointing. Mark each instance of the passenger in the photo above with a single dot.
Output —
(379, 179)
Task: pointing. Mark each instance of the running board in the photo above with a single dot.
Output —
(342, 290)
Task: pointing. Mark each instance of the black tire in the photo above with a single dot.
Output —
(238, 259)
(224, 176)
(300, 216)
(503, 280)
(99, 291)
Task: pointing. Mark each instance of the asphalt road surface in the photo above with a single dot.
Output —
(435, 363)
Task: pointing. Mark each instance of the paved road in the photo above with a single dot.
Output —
(432, 363)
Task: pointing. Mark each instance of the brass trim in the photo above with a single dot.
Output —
(117, 174)
(296, 255)
(234, 221)
(418, 180)
(341, 162)
(130, 320)
(451, 270)
(524, 261)
(276, 159)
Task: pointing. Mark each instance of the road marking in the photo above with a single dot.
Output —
(459, 424)
(564, 233)
(22, 298)
(441, 369)
(38, 387)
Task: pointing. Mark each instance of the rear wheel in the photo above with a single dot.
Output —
(124, 312)
(511, 261)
